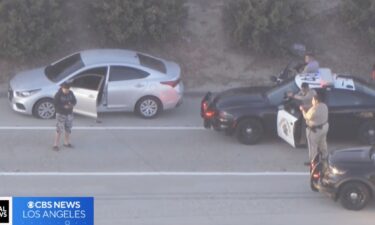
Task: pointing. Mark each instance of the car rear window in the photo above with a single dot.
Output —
(152, 63)
(63, 68)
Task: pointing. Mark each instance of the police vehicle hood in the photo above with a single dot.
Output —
(350, 156)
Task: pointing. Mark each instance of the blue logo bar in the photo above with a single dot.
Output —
(53, 210)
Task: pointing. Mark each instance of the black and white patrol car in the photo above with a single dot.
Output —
(250, 113)
(347, 175)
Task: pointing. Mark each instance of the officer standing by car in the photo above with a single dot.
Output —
(304, 96)
(317, 127)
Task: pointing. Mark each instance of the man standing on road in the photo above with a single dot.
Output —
(317, 127)
(64, 103)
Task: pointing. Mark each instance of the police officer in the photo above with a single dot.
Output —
(305, 95)
(311, 64)
(317, 127)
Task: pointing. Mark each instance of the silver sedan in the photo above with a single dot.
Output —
(103, 80)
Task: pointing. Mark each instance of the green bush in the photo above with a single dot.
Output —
(124, 21)
(31, 27)
(259, 24)
(360, 15)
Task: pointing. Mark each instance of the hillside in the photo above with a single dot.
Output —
(210, 63)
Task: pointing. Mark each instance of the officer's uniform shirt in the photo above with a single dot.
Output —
(306, 98)
(311, 67)
(316, 115)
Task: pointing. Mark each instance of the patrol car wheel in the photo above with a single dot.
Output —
(366, 132)
(44, 109)
(354, 196)
(250, 131)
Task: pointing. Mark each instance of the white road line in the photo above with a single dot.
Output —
(139, 174)
(104, 128)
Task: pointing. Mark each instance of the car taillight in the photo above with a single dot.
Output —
(205, 106)
(209, 113)
(316, 175)
(172, 83)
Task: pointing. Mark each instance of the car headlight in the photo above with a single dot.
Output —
(337, 171)
(24, 94)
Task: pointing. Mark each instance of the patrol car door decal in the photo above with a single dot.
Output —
(286, 126)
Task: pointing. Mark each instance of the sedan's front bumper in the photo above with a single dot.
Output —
(22, 105)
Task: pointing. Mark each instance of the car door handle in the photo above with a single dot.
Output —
(91, 96)
(139, 85)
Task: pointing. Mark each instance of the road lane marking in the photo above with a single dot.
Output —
(104, 128)
(138, 174)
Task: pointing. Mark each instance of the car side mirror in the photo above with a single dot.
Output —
(273, 79)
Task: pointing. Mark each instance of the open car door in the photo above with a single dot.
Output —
(287, 126)
(86, 90)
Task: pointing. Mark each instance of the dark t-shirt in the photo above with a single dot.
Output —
(62, 99)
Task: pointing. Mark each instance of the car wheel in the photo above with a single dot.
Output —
(44, 109)
(148, 107)
(354, 196)
(366, 132)
(312, 185)
(249, 131)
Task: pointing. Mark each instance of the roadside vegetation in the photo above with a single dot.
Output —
(359, 15)
(30, 28)
(259, 25)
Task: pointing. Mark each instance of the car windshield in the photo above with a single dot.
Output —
(63, 68)
(152, 63)
(364, 88)
(276, 94)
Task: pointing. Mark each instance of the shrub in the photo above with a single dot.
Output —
(124, 21)
(31, 27)
(259, 24)
(360, 15)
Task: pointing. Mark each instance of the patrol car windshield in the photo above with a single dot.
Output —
(362, 87)
(276, 95)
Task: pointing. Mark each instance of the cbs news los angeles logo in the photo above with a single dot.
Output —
(5, 211)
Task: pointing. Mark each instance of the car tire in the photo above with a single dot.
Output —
(354, 196)
(249, 131)
(148, 107)
(44, 109)
(366, 132)
(312, 186)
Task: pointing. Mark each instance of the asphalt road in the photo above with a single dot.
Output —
(165, 171)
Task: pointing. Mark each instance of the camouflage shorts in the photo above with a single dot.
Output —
(64, 122)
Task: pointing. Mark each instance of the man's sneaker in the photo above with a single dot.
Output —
(68, 145)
